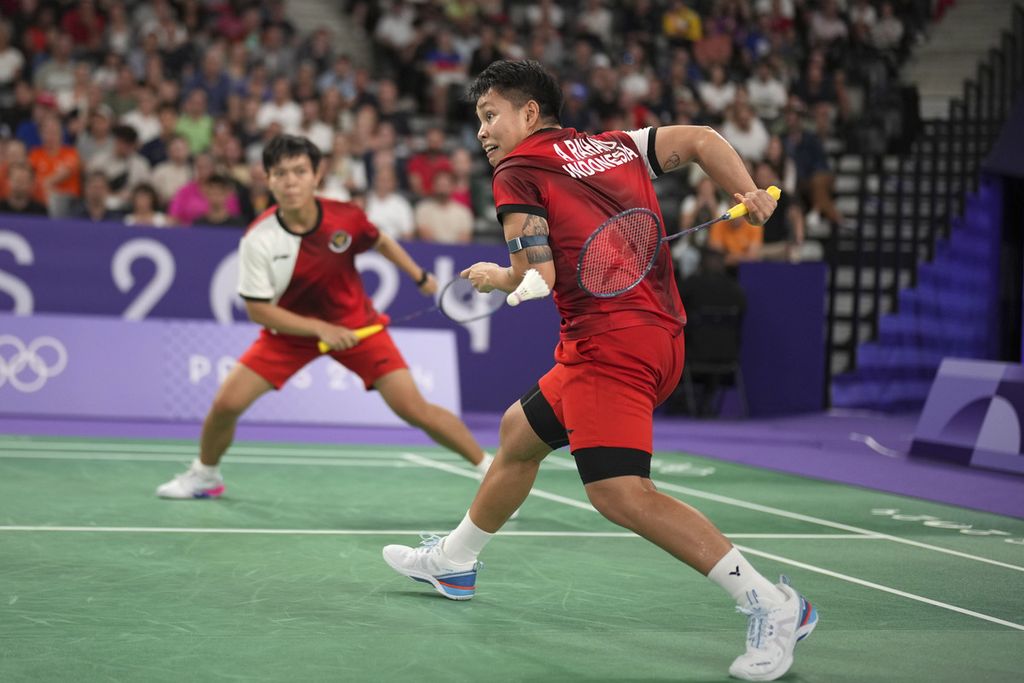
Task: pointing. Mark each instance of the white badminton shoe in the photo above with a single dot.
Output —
(196, 482)
(428, 564)
(773, 630)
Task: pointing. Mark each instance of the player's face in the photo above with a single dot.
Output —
(293, 182)
(502, 125)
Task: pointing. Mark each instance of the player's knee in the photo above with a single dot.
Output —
(227, 406)
(612, 501)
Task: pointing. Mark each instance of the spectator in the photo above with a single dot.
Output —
(784, 231)
(862, 12)
(595, 21)
(29, 130)
(423, 167)
(813, 174)
(94, 205)
(155, 151)
(826, 25)
(887, 34)
(346, 172)
(389, 109)
(218, 189)
(699, 207)
(85, 26)
(782, 163)
(57, 73)
(544, 12)
(446, 69)
(96, 139)
(12, 62)
(745, 132)
(11, 152)
(123, 167)
(196, 124)
(681, 25)
(118, 31)
(341, 78)
(18, 110)
(767, 92)
(276, 52)
(144, 117)
(313, 128)
(462, 176)
(717, 93)
(213, 80)
(18, 198)
(439, 218)
(57, 167)
(122, 98)
(257, 197)
(144, 208)
(387, 209)
(395, 31)
(738, 240)
(486, 52)
(190, 202)
(281, 109)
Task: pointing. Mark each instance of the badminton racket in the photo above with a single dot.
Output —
(460, 302)
(621, 252)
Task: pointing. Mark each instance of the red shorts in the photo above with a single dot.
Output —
(275, 358)
(605, 388)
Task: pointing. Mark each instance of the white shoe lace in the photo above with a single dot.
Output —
(430, 544)
(759, 625)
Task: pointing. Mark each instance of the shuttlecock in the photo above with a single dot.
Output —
(532, 287)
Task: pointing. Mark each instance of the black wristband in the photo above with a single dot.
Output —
(423, 278)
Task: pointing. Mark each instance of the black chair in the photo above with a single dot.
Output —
(713, 358)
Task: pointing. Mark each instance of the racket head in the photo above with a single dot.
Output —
(620, 253)
(460, 302)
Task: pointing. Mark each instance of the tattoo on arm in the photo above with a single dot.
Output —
(672, 162)
(535, 225)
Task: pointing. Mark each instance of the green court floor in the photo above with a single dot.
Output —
(282, 579)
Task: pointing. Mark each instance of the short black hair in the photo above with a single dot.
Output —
(125, 133)
(221, 180)
(520, 81)
(288, 146)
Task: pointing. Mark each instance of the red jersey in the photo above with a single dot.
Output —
(576, 182)
(313, 274)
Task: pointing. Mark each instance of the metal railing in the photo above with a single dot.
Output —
(924, 190)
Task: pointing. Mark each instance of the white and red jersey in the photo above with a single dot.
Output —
(576, 182)
(311, 274)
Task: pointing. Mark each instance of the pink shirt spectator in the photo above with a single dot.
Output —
(190, 203)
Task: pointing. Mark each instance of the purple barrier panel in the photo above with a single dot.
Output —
(81, 366)
(973, 415)
(783, 343)
(139, 273)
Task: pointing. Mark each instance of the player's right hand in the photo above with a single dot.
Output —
(337, 337)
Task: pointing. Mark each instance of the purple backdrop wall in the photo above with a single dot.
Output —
(141, 273)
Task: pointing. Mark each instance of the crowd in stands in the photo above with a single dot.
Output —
(155, 112)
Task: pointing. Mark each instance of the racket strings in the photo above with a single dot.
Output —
(620, 253)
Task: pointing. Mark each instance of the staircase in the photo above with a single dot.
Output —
(954, 48)
(911, 277)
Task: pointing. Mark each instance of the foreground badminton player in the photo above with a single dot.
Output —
(617, 359)
(299, 280)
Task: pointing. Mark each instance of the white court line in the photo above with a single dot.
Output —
(880, 587)
(189, 449)
(554, 460)
(735, 502)
(385, 532)
(808, 567)
(237, 459)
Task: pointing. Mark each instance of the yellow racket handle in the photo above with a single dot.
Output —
(741, 209)
(361, 334)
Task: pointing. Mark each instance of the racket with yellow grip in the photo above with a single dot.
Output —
(361, 334)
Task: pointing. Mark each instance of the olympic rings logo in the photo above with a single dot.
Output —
(29, 366)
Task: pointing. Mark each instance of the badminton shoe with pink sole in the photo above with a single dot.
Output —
(196, 482)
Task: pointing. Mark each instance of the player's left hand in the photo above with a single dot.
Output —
(429, 287)
(760, 206)
(483, 275)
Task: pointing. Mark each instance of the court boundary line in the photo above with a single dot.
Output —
(810, 567)
(235, 459)
(757, 507)
(387, 532)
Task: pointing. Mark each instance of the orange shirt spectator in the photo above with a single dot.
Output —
(57, 166)
(738, 239)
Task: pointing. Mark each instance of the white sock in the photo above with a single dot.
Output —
(484, 464)
(210, 470)
(463, 545)
(740, 580)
